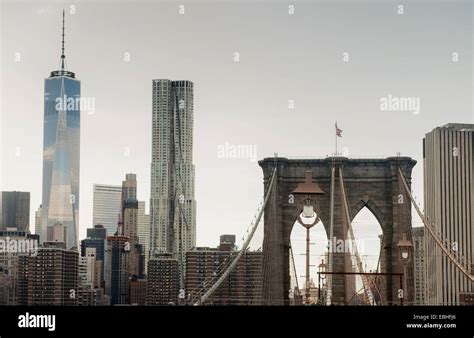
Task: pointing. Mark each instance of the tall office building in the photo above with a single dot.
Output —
(129, 187)
(130, 213)
(15, 210)
(130, 224)
(116, 269)
(143, 230)
(418, 235)
(48, 277)
(448, 154)
(38, 221)
(61, 151)
(90, 269)
(172, 203)
(98, 231)
(96, 239)
(107, 205)
(129, 210)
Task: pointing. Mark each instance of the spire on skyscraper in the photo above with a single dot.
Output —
(62, 67)
(62, 48)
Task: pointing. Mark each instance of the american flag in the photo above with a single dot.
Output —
(338, 131)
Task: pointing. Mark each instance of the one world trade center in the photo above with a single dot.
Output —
(61, 152)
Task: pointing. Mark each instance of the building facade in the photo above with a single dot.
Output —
(143, 229)
(107, 204)
(116, 269)
(172, 203)
(418, 235)
(448, 198)
(57, 233)
(130, 224)
(50, 277)
(13, 243)
(15, 210)
(242, 287)
(138, 291)
(38, 221)
(163, 280)
(130, 217)
(89, 270)
(96, 239)
(129, 187)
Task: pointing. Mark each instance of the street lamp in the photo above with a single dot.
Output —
(308, 190)
(404, 248)
(321, 268)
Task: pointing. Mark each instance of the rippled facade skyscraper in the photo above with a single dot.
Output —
(61, 152)
(172, 203)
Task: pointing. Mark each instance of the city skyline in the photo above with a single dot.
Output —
(208, 163)
(241, 161)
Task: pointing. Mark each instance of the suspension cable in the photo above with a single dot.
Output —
(244, 245)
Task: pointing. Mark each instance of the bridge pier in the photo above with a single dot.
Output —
(371, 183)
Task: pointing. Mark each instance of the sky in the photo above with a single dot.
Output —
(267, 77)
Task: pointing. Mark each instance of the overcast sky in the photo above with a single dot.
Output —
(117, 48)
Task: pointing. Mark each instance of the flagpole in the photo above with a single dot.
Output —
(335, 136)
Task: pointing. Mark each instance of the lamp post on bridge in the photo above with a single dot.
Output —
(321, 268)
(404, 248)
(308, 189)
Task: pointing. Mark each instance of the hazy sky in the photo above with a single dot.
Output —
(282, 57)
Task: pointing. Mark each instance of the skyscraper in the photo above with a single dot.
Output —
(116, 269)
(418, 235)
(130, 223)
(129, 187)
(172, 203)
(107, 205)
(89, 270)
(15, 210)
(97, 239)
(130, 213)
(448, 195)
(143, 229)
(38, 221)
(61, 151)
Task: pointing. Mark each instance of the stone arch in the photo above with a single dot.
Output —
(373, 208)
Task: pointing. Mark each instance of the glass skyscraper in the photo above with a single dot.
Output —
(61, 151)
